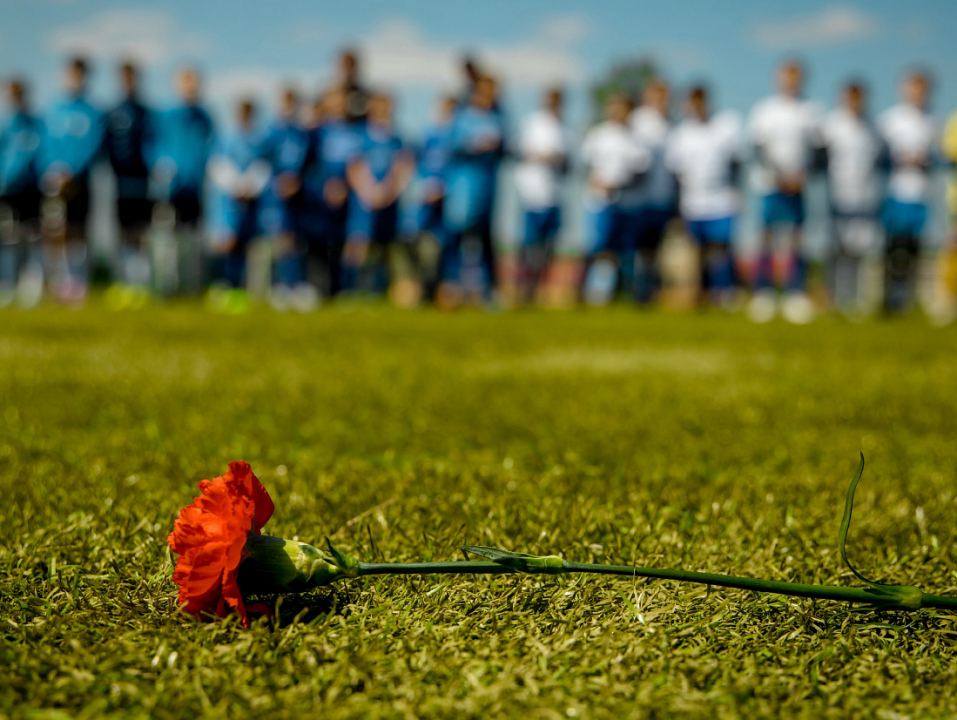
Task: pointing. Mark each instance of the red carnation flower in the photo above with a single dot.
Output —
(210, 538)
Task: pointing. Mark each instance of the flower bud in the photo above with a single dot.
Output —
(275, 565)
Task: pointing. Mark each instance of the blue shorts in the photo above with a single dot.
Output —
(717, 231)
(607, 230)
(783, 209)
(375, 226)
(541, 226)
(904, 218)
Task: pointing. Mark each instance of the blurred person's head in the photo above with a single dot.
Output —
(485, 93)
(245, 113)
(790, 78)
(75, 76)
(17, 90)
(129, 79)
(188, 85)
(445, 108)
(553, 100)
(854, 98)
(380, 109)
(470, 68)
(349, 66)
(698, 102)
(288, 102)
(617, 108)
(334, 104)
(915, 88)
(655, 95)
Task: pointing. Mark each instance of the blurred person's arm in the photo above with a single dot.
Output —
(363, 184)
(400, 175)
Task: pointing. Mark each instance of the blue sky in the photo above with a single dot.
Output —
(411, 46)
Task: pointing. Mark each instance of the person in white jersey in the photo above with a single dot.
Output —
(911, 137)
(615, 163)
(652, 204)
(854, 150)
(704, 153)
(543, 148)
(785, 132)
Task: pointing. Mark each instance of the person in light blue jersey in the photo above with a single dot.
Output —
(477, 142)
(422, 224)
(433, 160)
(129, 144)
(377, 175)
(239, 175)
(20, 266)
(72, 142)
(184, 138)
(334, 143)
(286, 148)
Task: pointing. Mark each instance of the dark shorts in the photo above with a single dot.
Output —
(647, 226)
(377, 226)
(134, 212)
(24, 204)
(189, 208)
(541, 226)
(781, 209)
(77, 196)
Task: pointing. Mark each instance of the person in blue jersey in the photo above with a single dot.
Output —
(432, 161)
(21, 273)
(544, 148)
(72, 142)
(287, 149)
(239, 175)
(334, 143)
(378, 175)
(183, 140)
(129, 142)
(652, 203)
(423, 224)
(477, 142)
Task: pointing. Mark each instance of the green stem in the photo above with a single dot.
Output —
(822, 592)
(468, 567)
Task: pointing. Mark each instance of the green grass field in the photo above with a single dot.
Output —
(700, 442)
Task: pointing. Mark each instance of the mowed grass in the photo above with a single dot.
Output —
(692, 441)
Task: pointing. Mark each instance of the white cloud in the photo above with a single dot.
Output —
(832, 26)
(678, 56)
(398, 53)
(145, 35)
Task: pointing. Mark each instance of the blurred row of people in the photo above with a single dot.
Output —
(328, 198)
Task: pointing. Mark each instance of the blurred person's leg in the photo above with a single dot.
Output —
(904, 223)
(191, 262)
(21, 258)
(651, 230)
(601, 277)
(134, 211)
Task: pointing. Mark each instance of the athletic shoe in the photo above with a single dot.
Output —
(762, 307)
(29, 289)
(600, 283)
(304, 298)
(797, 308)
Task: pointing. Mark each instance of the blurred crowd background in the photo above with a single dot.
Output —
(582, 165)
